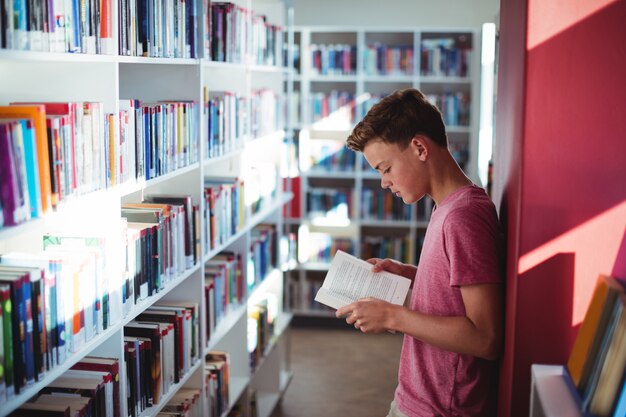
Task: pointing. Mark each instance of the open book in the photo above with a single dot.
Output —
(350, 278)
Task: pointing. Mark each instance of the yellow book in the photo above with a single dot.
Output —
(587, 343)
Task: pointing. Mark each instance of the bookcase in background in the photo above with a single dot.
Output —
(340, 74)
(236, 114)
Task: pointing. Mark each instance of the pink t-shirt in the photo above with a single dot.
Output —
(461, 247)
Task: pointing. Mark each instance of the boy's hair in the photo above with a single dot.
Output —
(397, 118)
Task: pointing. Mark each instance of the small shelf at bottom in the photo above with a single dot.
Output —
(552, 392)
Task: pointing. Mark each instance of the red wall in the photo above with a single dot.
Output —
(559, 173)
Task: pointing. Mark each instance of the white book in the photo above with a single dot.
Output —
(350, 279)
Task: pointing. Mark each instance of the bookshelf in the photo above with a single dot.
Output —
(340, 73)
(253, 87)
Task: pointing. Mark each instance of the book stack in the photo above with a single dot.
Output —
(58, 26)
(217, 365)
(90, 388)
(224, 288)
(226, 113)
(597, 362)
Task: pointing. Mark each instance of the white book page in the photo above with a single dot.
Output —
(350, 279)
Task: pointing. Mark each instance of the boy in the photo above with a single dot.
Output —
(453, 324)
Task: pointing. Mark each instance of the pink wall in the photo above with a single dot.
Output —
(559, 173)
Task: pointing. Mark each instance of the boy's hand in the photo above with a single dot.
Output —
(369, 315)
(395, 267)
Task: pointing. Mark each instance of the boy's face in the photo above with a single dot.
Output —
(401, 171)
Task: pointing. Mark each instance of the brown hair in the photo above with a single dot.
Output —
(397, 118)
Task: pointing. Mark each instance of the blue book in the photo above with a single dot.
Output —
(31, 162)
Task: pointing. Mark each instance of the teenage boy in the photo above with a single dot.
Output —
(453, 324)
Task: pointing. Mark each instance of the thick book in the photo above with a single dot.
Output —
(350, 279)
(582, 358)
(611, 371)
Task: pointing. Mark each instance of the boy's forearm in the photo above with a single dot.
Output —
(456, 334)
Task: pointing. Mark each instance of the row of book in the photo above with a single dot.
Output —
(162, 241)
(261, 322)
(445, 57)
(165, 28)
(160, 347)
(91, 387)
(380, 59)
(263, 255)
(224, 287)
(226, 212)
(227, 122)
(268, 112)
(336, 105)
(55, 151)
(240, 35)
(321, 247)
(57, 26)
(332, 156)
(454, 107)
(330, 202)
(333, 59)
(52, 304)
(161, 29)
(217, 374)
(185, 403)
(597, 361)
(81, 284)
(380, 204)
(399, 248)
(228, 113)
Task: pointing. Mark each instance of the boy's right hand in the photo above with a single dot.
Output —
(395, 267)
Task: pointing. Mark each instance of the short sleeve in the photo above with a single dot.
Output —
(472, 243)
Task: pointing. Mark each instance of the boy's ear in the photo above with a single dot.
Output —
(420, 146)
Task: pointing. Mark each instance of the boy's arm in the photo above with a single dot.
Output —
(479, 333)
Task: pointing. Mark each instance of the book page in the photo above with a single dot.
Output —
(350, 279)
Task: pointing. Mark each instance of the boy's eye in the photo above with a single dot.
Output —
(387, 170)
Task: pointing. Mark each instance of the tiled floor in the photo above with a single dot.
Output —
(340, 373)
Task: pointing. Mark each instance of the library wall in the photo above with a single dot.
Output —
(449, 13)
(558, 175)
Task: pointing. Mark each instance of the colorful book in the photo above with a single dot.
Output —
(583, 356)
(36, 113)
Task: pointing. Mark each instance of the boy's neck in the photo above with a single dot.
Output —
(446, 178)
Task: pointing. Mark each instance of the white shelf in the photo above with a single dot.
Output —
(552, 393)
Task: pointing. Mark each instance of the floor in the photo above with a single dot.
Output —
(340, 372)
